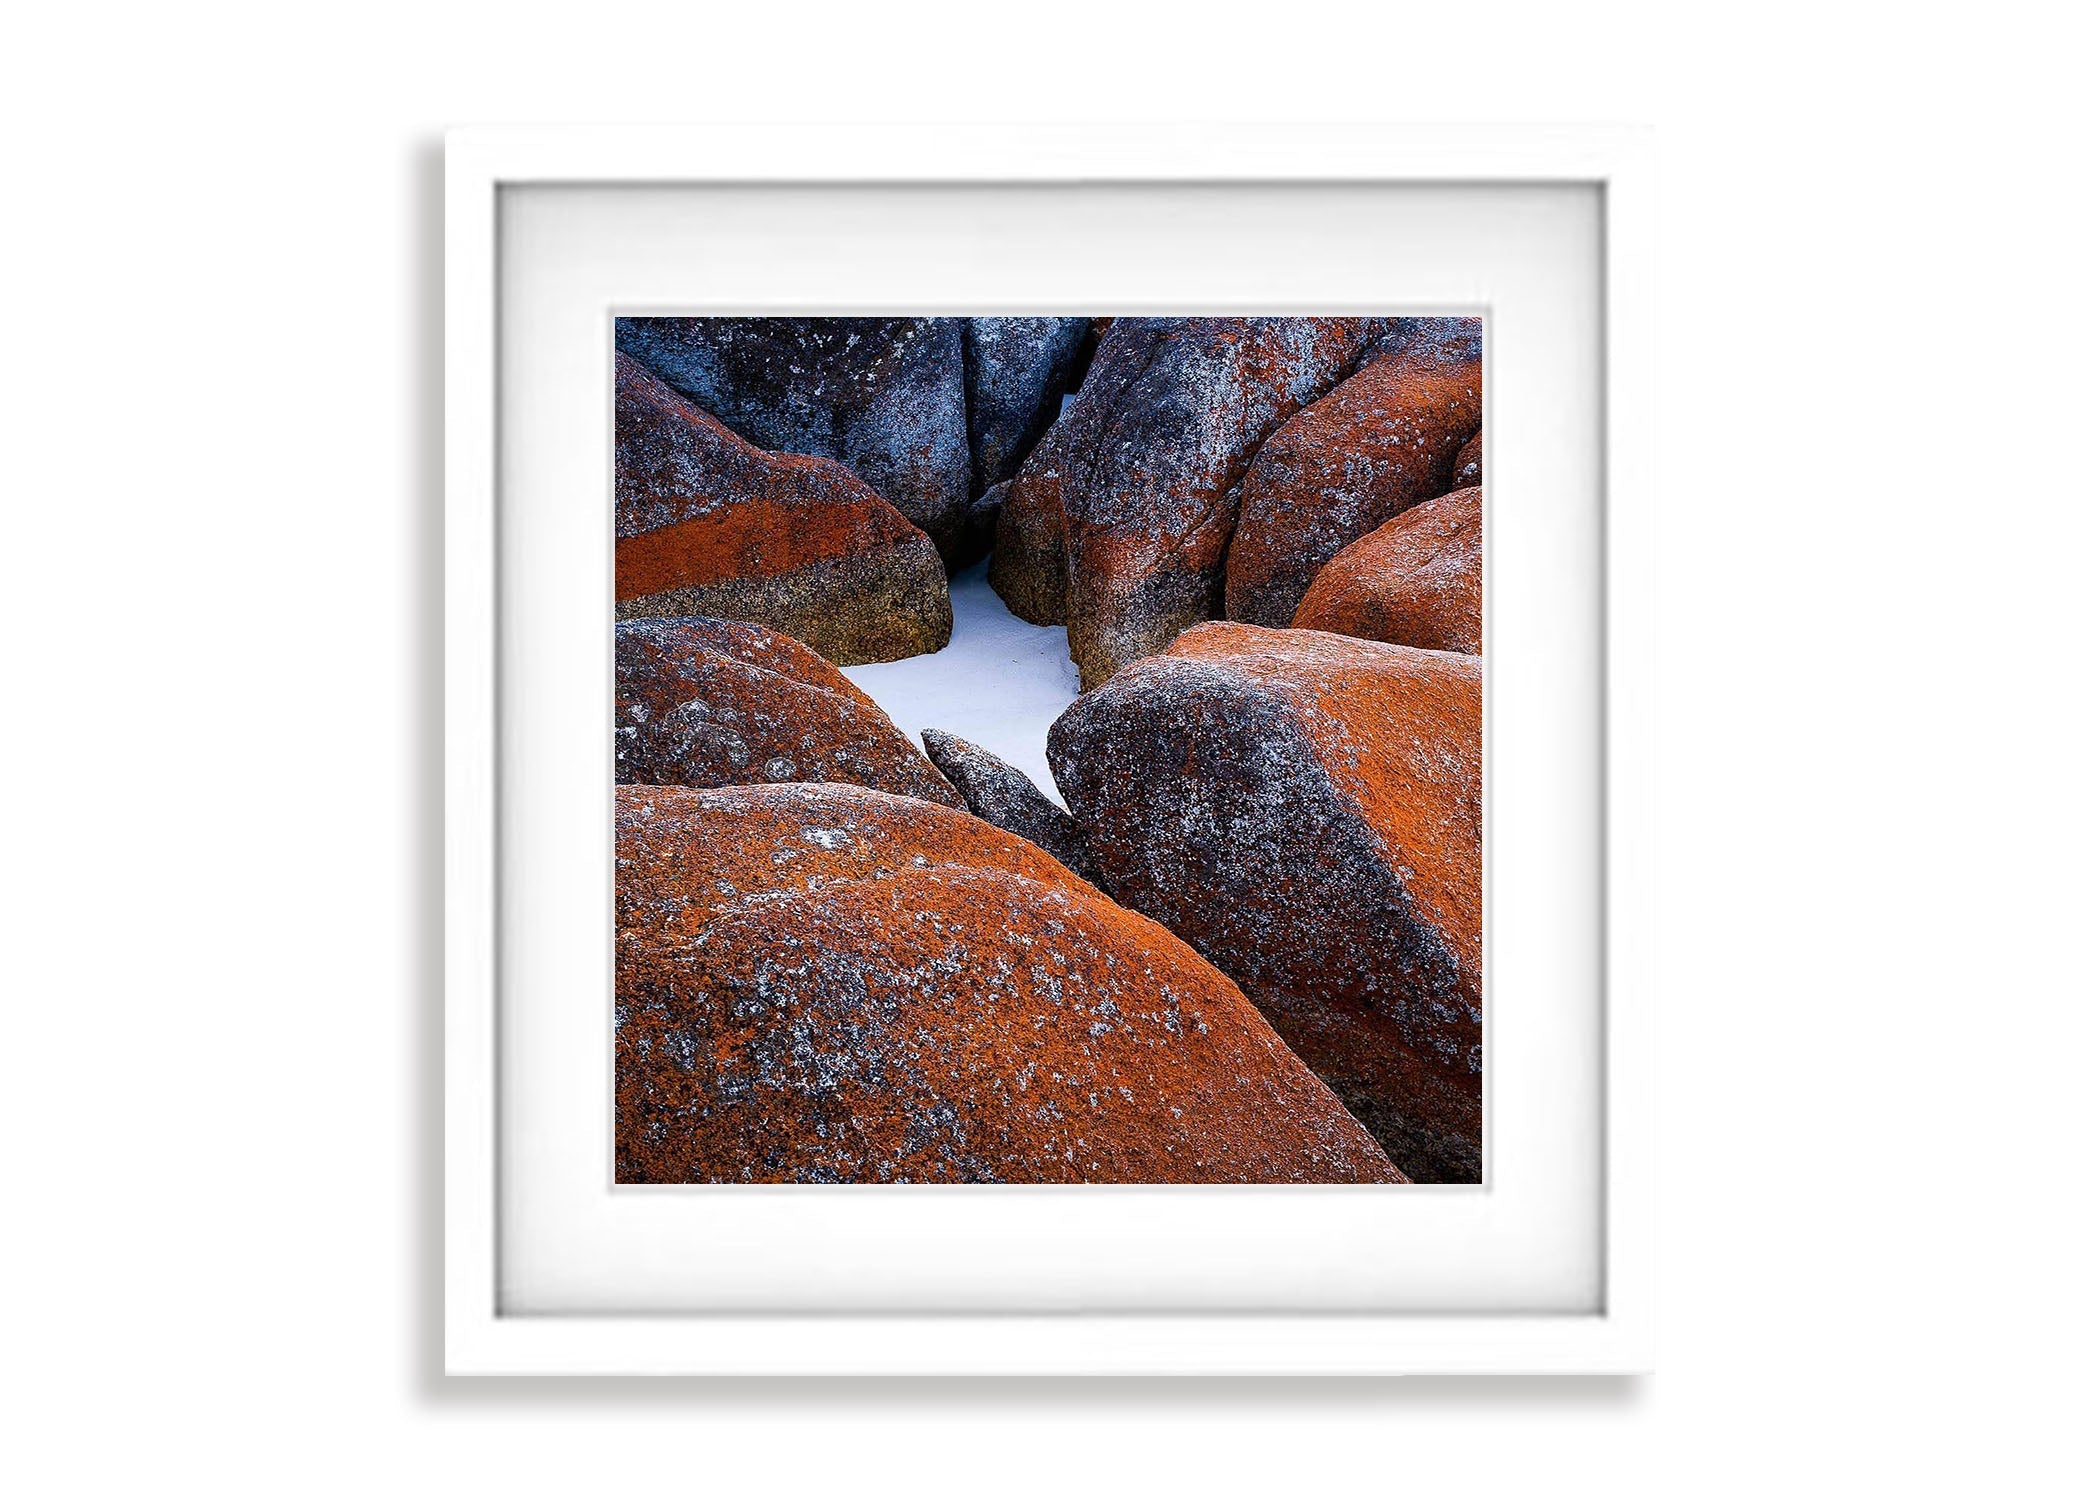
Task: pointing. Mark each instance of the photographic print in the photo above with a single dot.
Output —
(1047, 750)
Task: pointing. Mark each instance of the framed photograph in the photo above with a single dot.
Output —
(1046, 743)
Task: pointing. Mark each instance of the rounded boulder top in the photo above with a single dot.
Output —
(830, 984)
(1415, 581)
(708, 703)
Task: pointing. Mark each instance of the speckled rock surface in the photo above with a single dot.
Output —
(706, 703)
(1385, 439)
(884, 396)
(1119, 521)
(707, 525)
(1305, 810)
(1465, 469)
(1005, 798)
(1415, 581)
(1018, 372)
(829, 984)
(1028, 533)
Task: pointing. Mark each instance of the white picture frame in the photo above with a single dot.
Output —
(480, 1337)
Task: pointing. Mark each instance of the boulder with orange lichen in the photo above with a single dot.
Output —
(706, 703)
(1415, 581)
(1385, 439)
(1027, 524)
(1304, 809)
(830, 984)
(707, 525)
(883, 396)
(1117, 525)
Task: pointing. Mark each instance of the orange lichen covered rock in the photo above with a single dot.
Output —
(1117, 525)
(707, 525)
(885, 397)
(829, 984)
(1384, 439)
(1415, 581)
(705, 703)
(1465, 469)
(1028, 534)
(1305, 810)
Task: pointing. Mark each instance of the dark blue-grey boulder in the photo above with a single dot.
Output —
(1019, 372)
(884, 396)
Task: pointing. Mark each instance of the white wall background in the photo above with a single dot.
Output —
(219, 595)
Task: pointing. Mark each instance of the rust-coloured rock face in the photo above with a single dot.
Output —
(829, 984)
(1465, 469)
(1118, 523)
(1305, 810)
(1028, 530)
(883, 396)
(1004, 797)
(707, 525)
(1385, 439)
(1415, 581)
(706, 703)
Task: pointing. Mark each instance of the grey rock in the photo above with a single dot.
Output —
(1019, 371)
(1006, 798)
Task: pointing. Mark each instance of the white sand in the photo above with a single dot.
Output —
(998, 682)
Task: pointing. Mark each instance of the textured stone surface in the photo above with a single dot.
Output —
(1465, 469)
(1019, 370)
(707, 703)
(1305, 810)
(1028, 527)
(829, 984)
(1383, 440)
(1118, 523)
(1415, 581)
(707, 525)
(1004, 798)
(884, 396)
